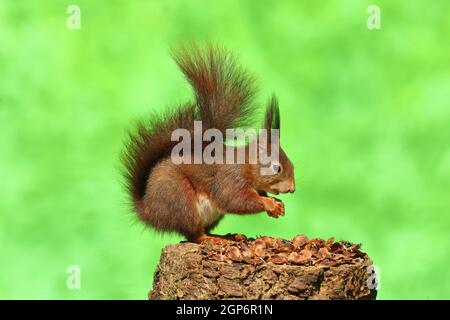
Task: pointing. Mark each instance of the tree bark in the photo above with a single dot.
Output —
(265, 268)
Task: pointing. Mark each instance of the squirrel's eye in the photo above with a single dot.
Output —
(276, 168)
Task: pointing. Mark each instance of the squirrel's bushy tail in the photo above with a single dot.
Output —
(223, 89)
(149, 144)
(223, 99)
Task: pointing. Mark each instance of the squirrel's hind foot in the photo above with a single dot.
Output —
(213, 239)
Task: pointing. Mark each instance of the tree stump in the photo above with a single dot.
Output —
(264, 268)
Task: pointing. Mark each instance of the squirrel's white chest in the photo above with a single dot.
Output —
(209, 213)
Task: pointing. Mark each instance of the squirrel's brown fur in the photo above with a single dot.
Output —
(191, 198)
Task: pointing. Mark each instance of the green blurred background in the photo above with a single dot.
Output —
(365, 117)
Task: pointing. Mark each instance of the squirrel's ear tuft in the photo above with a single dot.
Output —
(272, 118)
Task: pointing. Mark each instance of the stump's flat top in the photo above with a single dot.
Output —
(297, 251)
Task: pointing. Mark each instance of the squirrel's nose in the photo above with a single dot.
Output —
(292, 188)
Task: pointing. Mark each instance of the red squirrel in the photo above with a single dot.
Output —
(190, 199)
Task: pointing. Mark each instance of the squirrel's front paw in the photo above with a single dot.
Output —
(274, 207)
